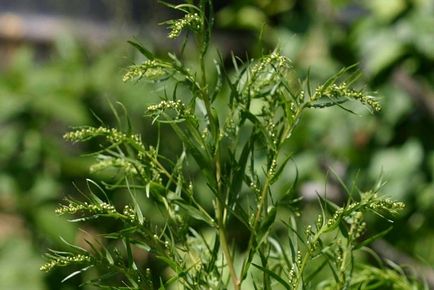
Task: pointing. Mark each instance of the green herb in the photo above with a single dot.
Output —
(240, 150)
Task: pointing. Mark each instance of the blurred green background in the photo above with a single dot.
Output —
(61, 65)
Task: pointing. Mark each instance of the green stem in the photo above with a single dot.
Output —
(263, 195)
(308, 254)
(221, 219)
(225, 247)
(220, 207)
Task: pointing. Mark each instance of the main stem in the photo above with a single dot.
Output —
(220, 214)
(252, 247)
(264, 193)
(225, 247)
(220, 207)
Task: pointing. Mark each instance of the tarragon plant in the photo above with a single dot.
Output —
(232, 127)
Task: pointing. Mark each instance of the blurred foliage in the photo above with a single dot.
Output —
(39, 100)
(391, 40)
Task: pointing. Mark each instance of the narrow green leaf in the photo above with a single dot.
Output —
(195, 213)
(109, 257)
(93, 196)
(326, 204)
(142, 50)
(373, 238)
(72, 245)
(240, 168)
(136, 205)
(75, 273)
(275, 276)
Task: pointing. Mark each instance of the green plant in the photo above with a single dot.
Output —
(233, 130)
(41, 95)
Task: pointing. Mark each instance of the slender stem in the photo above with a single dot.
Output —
(225, 247)
(220, 207)
(308, 253)
(206, 100)
(246, 264)
(264, 192)
(221, 217)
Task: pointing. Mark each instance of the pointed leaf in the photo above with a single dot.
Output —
(76, 273)
(275, 276)
(142, 50)
(373, 238)
(195, 213)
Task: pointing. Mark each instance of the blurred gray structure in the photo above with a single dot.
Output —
(95, 21)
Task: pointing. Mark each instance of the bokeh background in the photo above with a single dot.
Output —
(61, 65)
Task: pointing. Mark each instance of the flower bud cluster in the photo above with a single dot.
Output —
(272, 169)
(339, 254)
(64, 261)
(177, 106)
(190, 21)
(265, 75)
(123, 164)
(86, 133)
(92, 208)
(387, 204)
(113, 136)
(150, 69)
(374, 202)
(335, 218)
(275, 59)
(292, 276)
(129, 213)
(310, 238)
(319, 221)
(271, 129)
(358, 226)
(337, 91)
(255, 186)
(295, 270)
